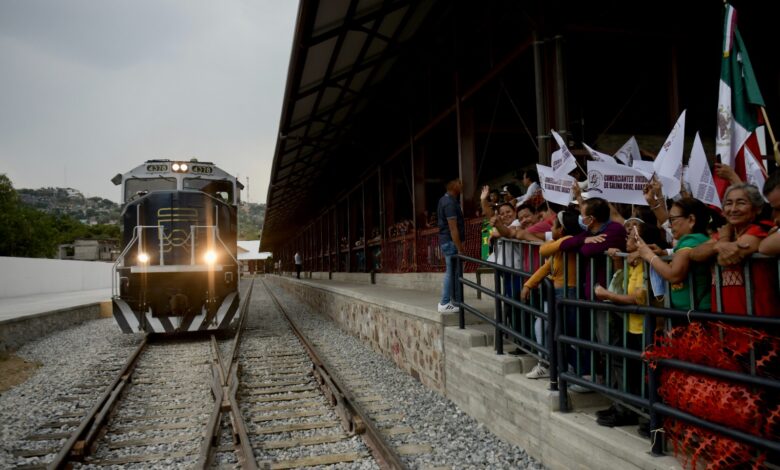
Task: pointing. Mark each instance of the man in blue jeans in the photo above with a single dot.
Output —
(452, 229)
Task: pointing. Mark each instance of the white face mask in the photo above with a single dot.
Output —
(581, 222)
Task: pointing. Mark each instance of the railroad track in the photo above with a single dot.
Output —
(73, 405)
(298, 413)
(269, 401)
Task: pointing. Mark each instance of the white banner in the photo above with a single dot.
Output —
(617, 183)
(668, 162)
(699, 177)
(564, 162)
(598, 156)
(629, 152)
(555, 189)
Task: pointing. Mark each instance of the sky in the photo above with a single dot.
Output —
(92, 88)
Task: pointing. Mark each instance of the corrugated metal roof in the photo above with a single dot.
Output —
(341, 49)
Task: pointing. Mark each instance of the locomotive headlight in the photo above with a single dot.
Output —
(183, 167)
(175, 167)
(210, 256)
(143, 258)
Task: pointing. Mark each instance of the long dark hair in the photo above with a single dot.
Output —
(570, 222)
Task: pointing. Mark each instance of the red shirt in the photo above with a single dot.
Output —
(763, 277)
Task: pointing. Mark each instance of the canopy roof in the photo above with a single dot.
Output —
(341, 50)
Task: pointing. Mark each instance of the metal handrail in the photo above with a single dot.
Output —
(648, 398)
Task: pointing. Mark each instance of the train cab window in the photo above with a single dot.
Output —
(136, 187)
(220, 189)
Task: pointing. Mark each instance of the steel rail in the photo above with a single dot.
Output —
(353, 417)
(79, 445)
(224, 386)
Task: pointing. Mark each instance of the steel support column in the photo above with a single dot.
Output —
(467, 152)
(561, 115)
(418, 182)
(541, 114)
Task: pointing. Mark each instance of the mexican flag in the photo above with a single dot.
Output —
(739, 108)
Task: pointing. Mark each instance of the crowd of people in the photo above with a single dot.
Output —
(702, 255)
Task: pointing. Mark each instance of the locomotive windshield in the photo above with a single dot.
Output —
(220, 189)
(135, 187)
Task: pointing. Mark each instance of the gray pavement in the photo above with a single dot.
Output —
(13, 308)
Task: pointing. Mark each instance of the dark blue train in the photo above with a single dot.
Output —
(178, 270)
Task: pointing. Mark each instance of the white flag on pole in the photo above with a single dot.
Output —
(617, 183)
(699, 177)
(555, 189)
(564, 162)
(753, 173)
(668, 162)
(629, 152)
(643, 165)
(598, 156)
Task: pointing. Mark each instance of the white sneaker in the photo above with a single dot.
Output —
(579, 388)
(447, 308)
(538, 372)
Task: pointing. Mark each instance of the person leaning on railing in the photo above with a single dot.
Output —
(688, 219)
(599, 235)
(636, 293)
(565, 226)
(731, 245)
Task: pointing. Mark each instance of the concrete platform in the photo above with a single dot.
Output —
(403, 324)
(26, 318)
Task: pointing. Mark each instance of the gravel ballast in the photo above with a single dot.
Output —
(74, 357)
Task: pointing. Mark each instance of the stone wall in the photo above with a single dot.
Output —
(16, 332)
(413, 342)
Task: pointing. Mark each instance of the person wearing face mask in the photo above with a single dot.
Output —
(599, 235)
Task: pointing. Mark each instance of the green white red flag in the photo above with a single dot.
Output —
(739, 107)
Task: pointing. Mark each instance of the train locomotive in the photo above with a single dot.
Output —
(178, 270)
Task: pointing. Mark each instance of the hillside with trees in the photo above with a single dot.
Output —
(250, 221)
(29, 231)
(72, 203)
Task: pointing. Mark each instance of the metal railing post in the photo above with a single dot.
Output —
(552, 323)
(652, 386)
(562, 385)
(459, 287)
(499, 340)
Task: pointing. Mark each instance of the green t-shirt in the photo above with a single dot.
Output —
(486, 228)
(681, 297)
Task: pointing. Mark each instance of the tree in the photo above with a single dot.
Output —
(24, 231)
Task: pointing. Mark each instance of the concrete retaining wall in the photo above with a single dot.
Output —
(30, 276)
(16, 332)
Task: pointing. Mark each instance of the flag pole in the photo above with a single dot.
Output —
(775, 145)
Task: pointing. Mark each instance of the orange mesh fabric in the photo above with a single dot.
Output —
(748, 409)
